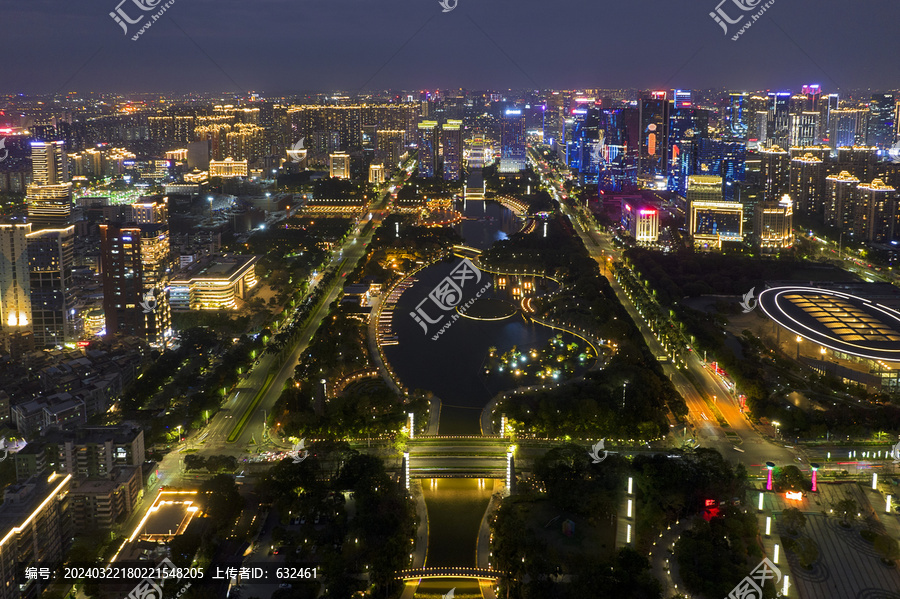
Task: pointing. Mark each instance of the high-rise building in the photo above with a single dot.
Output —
(35, 528)
(51, 260)
(775, 169)
(875, 213)
(134, 298)
(641, 220)
(512, 141)
(826, 105)
(704, 188)
(428, 148)
(391, 144)
(848, 127)
(712, 223)
(49, 196)
(452, 139)
(773, 227)
(804, 129)
(808, 174)
(725, 158)
(778, 111)
(736, 121)
(839, 193)
(859, 161)
(654, 132)
(882, 125)
(15, 291)
(339, 165)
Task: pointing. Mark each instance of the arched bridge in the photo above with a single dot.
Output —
(476, 573)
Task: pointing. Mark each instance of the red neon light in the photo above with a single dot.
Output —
(83, 343)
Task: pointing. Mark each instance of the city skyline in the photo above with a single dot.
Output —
(361, 48)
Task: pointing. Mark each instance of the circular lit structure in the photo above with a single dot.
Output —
(838, 321)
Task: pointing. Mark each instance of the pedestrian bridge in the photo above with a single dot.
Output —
(421, 573)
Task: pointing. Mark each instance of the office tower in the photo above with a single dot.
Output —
(875, 212)
(682, 98)
(839, 192)
(132, 304)
(688, 127)
(882, 110)
(428, 149)
(555, 121)
(775, 167)
(812, 95)
(588, 152)
(778, 105)
(391, 145)
(827, 104)
(721, 158)
(579, 136)
(736, 118)
(51, 259)
(339, 165)
(804, 129)
(641, 220)
(774, 222)
(15, 291)
(453, 149)
(217, 136)
(808, 174)
(848, 127)
(512, 141)
(35, 529)
(654, 134)
(49, 196)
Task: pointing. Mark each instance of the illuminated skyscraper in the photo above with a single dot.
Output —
(654, 148)
(774, 228)
(804, 129)
(737, 116)
(778, 106)
(808, 174)
(848, 127)
(775, 167)
(49, 196)
(882, 110)
(451, 138)
(876, 212)
(151, 210)
(134, 278)
(15, 291)
(391, 145)
(51, 259)
(428, 148)
(512, 141)
(839, 192)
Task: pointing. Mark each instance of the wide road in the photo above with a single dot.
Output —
(265, 374)
(743, 443)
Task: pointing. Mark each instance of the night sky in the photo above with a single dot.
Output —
(280, 46)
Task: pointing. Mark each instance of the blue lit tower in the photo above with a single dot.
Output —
(428, 148)
(654, 132)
